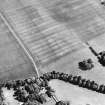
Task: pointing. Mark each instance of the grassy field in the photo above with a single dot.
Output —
(14, 64)
(76, 95)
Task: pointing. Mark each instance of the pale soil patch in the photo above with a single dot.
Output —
(9, 99)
